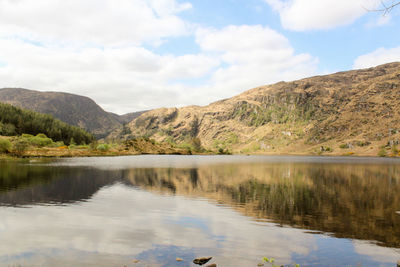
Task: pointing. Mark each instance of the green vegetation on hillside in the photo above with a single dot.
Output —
(16, 121)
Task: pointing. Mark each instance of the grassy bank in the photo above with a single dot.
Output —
(42, 146)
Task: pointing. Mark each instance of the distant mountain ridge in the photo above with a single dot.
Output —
(347, 112)
(73, 109)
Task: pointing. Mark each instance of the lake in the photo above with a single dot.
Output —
(110, 211)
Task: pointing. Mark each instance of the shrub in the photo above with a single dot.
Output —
(344, 146)
(5, 145)
(382, 152)
(103, 147)
(93, 145)
(40, 140)
(20, 145)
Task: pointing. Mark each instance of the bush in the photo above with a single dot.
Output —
(5, 145)
(20, 145)
(103, 147)
(382, 152)
(344, 146)
(40, 140)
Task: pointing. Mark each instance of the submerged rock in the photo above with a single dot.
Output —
(201, 261)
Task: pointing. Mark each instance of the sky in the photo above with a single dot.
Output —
(132, 55)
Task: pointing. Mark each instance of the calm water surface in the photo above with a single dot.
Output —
(315, 211)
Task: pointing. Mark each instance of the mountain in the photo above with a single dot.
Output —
(73, 109)
(343, 113)
(125, 118)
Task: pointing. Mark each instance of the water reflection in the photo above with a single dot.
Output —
(27, 184)
(352, 201)
(109, 217)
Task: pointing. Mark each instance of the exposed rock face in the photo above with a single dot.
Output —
(354, 107)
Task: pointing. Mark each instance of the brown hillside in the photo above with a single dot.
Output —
(347, 112)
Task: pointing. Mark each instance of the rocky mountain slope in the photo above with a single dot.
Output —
(343, 113)
(73, 109)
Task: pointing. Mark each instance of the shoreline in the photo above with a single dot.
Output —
(89, 154)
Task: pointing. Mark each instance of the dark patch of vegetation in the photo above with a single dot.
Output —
(363, 143)
(382, 152)
(194, 127)
(276, 113)
(125, 129)
(16, 121)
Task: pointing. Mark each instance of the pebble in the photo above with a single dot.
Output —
(212, 265)
(260, 264)
(135, 261)
(179, 259)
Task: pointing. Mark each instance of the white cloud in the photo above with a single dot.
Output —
(254, 56)
(100, 49)
(100, 22)
(129, 78)
(377, 253)
(302, 15)
(377, 57)
(121, 79)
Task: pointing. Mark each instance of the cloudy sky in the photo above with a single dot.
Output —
(131, 55)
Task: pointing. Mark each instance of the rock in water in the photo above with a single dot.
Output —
(212, 265)
(179, 259)
(201, 261)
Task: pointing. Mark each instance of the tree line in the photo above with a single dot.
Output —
(17, 121)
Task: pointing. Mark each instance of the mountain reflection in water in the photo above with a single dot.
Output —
(354, 201)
